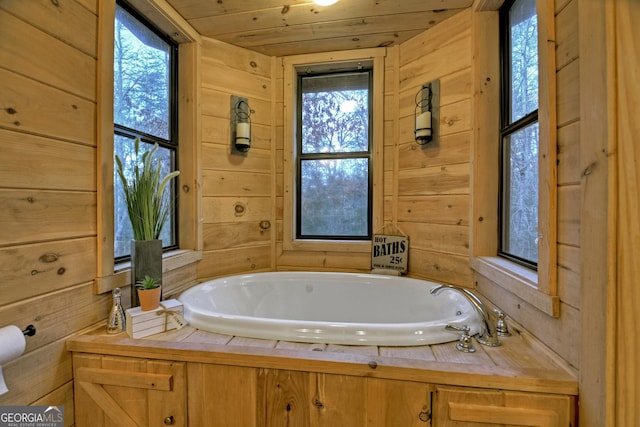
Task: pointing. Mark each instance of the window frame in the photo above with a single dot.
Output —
(329, 62)
(496, 274)
(108, 274)
(172, 141)
(301, 156)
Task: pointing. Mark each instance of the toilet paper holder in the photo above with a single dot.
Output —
(29, 331)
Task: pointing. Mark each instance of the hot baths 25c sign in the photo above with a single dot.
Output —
(390, 252)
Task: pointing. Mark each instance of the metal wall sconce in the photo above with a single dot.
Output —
(427, 113)
(240, 124)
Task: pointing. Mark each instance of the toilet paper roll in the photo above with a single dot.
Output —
(12, 345)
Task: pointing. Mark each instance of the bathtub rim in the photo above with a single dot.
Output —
(342, 333)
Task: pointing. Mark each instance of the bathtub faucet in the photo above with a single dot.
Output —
(487, 335)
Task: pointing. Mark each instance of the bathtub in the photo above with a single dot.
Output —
(331, 308)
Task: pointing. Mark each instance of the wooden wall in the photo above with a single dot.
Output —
(430, 184)
(426, 189)
(47, 190)
(627, 375)
(238, 190)
(610, 236)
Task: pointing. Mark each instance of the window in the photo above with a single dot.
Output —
(113, 270)
(144, 88)
(334, 156)
(519, 135)
(519, 74)
(333, 72)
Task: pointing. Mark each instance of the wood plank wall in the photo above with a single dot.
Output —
(237, 189)
(426, 190)
(627, 378)
(431, 182)
(47, 190)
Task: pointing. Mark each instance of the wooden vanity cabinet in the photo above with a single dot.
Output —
(123, 382)
(130, 392)
(458, 407)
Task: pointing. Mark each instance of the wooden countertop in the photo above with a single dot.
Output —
(520, 363)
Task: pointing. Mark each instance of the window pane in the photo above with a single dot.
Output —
(125, 149)
(523, 38)
(335, 113)
(520, 192)
(141, 77)
(335, 198)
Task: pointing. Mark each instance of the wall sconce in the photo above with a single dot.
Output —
(426, 114)
(240, 124)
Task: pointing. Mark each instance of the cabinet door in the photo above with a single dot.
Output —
(255, 397)
(222, 396)
(342, 400)
(128, 392)
(457, 407)
(285, 398)
(393, 403)
(337, 400)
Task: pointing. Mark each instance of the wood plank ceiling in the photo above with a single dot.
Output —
(281, 27)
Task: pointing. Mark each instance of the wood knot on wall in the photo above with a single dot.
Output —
(264, 225)
(12, 111)
(48, 257)
(239, 209)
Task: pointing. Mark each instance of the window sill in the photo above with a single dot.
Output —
(518, 280)
(121, 276)
(328, 246)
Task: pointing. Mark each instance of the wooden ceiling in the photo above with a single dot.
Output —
(291, 27)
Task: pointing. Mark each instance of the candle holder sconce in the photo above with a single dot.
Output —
(240, 129)
(427, 113)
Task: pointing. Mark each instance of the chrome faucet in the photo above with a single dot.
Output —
(487, 335)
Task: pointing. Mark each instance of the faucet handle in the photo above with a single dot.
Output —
(464, 328)
(501, 327)
(464, 344)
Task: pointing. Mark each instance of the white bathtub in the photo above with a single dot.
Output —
(333, 308)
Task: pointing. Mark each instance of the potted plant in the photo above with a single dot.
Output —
(148, 207)
(149, 292)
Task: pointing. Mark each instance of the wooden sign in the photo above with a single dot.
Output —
(390, 252)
